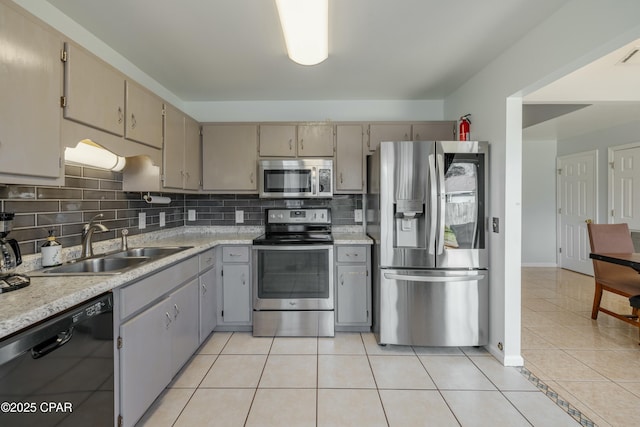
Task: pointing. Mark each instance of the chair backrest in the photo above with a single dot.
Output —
(609, 238)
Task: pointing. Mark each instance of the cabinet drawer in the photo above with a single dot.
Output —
(139, 294)
(206, 260)
(352, 253)
(235, 254)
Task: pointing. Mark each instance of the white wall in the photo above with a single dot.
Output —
(574, 36)
(539, 203)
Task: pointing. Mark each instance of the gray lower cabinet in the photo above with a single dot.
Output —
(158, 332)
(234, 303)
(208, 300)
(353, 288)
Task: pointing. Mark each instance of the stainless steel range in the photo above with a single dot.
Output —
(293, 274)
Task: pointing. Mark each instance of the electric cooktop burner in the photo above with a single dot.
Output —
(301, 226)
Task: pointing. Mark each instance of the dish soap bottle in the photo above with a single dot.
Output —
(51, 251)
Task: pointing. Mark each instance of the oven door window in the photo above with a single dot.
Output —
(287, 181)
(291, 274)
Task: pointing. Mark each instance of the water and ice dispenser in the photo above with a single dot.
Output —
(410, 227)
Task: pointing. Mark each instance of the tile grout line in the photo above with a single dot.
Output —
(575, 413)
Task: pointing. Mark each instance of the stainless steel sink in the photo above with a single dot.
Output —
(148, 252)
(97, 265)
(110, 263)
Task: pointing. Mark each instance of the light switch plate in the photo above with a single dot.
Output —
(239, 217)
(357, 215)
(191, 215)
(163, 219)
(142, 220)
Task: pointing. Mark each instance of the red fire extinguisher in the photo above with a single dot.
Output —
(465, 127)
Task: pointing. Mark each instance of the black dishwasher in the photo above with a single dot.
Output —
(60, 371)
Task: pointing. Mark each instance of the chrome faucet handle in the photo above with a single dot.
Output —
(125, 244)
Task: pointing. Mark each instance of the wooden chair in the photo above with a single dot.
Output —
(619, 279)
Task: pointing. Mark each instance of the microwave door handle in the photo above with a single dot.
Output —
(314, 187)
(442, 197)
(434, 203)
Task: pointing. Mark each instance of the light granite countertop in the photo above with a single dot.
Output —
(47, 296)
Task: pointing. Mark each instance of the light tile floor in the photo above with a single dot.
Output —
(591, 366)
(594, 365)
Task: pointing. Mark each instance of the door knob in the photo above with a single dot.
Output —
(588, 221)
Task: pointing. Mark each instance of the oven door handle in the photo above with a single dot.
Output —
(51, 344)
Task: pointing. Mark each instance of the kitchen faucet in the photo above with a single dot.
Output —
(87, 235)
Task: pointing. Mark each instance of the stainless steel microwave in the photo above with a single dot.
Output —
(296, 178)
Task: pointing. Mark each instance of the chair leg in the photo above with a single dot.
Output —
(597, 298)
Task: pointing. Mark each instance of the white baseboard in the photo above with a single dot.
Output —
(506, 360)
(539, 264)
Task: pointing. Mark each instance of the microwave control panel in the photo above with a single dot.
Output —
(324, 180)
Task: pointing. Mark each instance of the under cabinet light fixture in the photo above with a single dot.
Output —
(88, 153)
(305, 25)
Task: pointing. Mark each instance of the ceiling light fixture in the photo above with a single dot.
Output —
(305, 24)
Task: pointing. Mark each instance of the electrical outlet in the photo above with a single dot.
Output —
(357, 215)
(495, 224)
(142, 220)
(163, 219)
(239, 217)
(191, 215)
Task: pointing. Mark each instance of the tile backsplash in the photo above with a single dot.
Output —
(89, 191)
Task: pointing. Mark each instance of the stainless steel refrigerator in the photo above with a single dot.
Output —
(426, 210)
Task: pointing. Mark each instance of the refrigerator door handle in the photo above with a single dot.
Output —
(434, 204)
(412, 278)
(442, 197)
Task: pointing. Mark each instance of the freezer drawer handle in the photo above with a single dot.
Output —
(392, 276)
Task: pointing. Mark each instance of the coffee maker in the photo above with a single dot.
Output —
(9, 257)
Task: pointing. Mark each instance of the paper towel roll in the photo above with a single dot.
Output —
(161, 200)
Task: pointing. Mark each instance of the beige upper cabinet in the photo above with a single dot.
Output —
(181, 150)
(192, 159)
(315, 140)
(349, 159)
(388, 132)
(277, 140)
(435, 131)
(174, 147)
(94, 91)
(31, 87)
(229, 158)
(143, 115)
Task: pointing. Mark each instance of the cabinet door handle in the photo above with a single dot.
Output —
(301, 144)
(417, 138)
(341, 180)
(342, 279)
(204, 289)
(120, 115)
(290, 144)
(133, 121)
(243, 281)
(168, 320)
(176, 310)
(251, 177)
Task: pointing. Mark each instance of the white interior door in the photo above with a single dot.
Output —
(625, 181)
(577, 201)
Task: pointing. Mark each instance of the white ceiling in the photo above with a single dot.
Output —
(610, 86)
(228, 50)
(221, 50)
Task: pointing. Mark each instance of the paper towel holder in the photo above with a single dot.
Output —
(158, 200)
